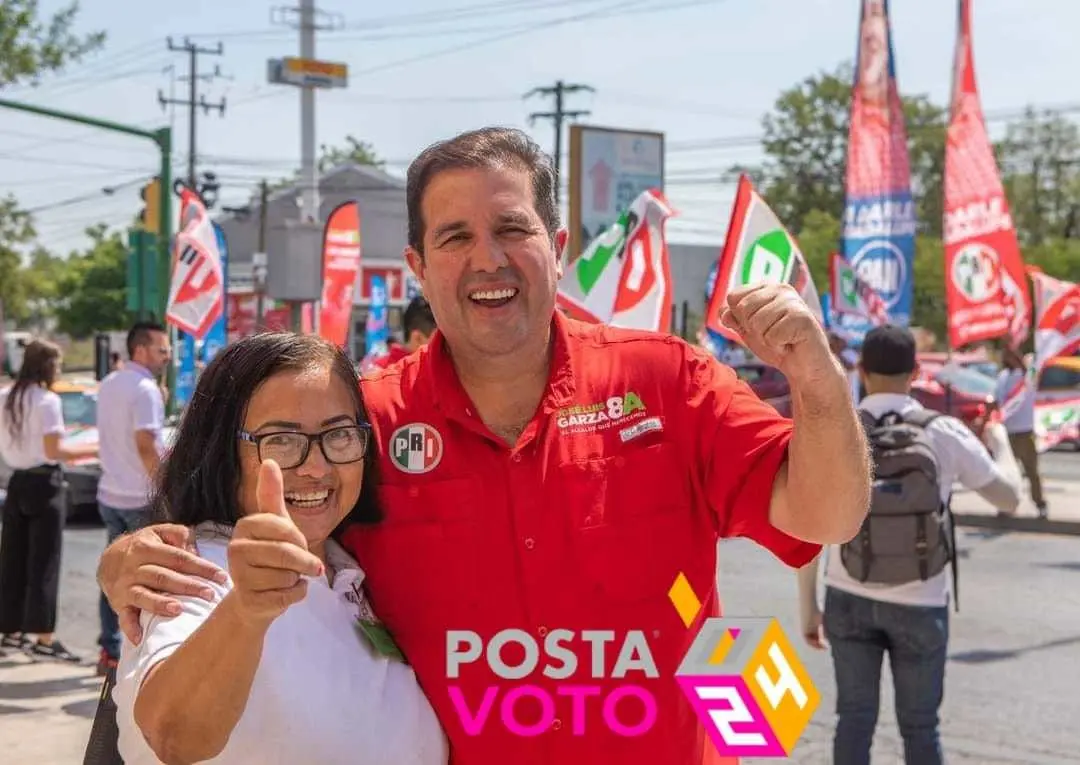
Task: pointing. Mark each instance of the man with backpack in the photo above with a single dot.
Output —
(888, 590)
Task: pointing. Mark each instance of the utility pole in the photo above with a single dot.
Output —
(560, 113)
(260, 279)
(194, 102)
(307, 22)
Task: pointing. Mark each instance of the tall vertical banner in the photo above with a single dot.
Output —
(878, 235)
(377, 326)
(758, 250)
(341, 263)
(197, 287)
(624, 276)
(197, 292)
(985, 284)
(218, 336)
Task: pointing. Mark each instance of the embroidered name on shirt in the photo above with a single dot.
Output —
(589, 418)
(643, 427)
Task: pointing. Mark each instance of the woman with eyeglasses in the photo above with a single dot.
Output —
(283, 661)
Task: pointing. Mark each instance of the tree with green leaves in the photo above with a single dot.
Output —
(805, 143)
(32, 46)
(355, 151)
(1040, 161)
(94, 286)
(16, 231)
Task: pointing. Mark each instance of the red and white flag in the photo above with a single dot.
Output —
(1057, 331)
(197, 287)
(985, 285)
(1057, 317)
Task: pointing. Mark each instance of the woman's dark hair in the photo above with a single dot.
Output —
(40, 367)
(199, 479)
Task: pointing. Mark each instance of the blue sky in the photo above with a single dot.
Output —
(421, 70)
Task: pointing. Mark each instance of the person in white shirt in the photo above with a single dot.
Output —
(283, 660)
(906, 617)
(31, 429)
(130, 420)
(1021, 422)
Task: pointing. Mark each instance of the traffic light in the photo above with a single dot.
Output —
(149, 215)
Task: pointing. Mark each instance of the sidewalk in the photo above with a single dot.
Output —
(1063, 498)
(46, 710)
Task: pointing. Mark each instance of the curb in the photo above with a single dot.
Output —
(1023, 524)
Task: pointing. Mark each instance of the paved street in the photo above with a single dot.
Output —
(1011, 690)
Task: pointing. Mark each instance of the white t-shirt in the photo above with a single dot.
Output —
(128, 400)
(1022, 419)
(321, 693)
(42, 415)
(961, 457)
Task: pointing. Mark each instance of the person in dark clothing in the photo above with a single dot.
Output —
(31, 426)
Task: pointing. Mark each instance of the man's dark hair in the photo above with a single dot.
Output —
(200, 479)
(888, 351)
(491, 147)
(142, 333)
(417, 316)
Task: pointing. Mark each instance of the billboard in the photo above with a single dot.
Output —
(609, 169)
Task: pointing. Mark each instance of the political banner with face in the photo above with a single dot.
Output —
(878, 227)
(985, 285)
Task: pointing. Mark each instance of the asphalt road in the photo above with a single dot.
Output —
(1014, 669)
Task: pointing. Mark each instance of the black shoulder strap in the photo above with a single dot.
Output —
(921, 416)
(101, 749)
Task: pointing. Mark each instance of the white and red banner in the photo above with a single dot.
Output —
(1056, 422)
(341, 262)
(851, 295)
(623, 278)
(1057, 333)
(1057, 317)
(197, 287)
(985, 285)
(757, 250)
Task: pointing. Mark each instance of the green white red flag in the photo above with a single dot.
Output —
(758, 249)
(624, 276)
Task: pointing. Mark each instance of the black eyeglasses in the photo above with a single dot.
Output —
(340, 445)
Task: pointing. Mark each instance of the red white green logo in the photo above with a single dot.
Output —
(416, 448)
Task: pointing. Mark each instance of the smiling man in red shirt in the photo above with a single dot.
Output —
(551, 477)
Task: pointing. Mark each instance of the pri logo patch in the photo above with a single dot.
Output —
(416, 448)
(745, 682)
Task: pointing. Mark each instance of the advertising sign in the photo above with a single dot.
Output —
(609, 169)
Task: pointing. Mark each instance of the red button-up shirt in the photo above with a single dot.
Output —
(643, 452)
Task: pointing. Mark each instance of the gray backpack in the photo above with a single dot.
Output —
(908, 534)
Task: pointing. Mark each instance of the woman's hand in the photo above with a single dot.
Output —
(268, 556)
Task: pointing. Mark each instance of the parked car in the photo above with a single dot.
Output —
(1060, 381)
(957, 390)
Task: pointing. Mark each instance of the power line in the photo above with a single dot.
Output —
(194, 101)
(558, 115)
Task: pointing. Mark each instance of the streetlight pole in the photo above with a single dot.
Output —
(162, 138)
